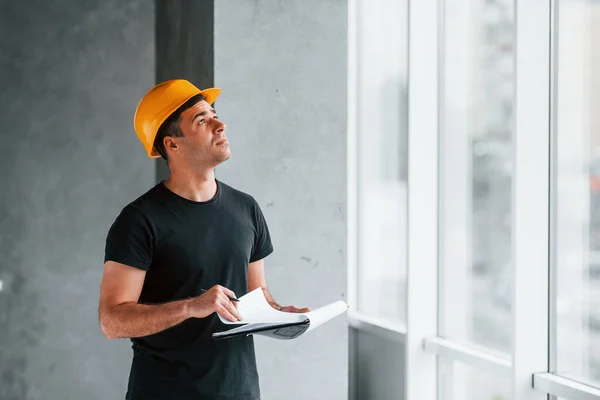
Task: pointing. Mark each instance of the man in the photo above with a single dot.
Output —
(187, 234)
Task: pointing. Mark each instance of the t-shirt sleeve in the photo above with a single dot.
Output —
(262, 246)
(130, 240)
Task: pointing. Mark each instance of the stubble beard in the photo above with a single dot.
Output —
(202, 159)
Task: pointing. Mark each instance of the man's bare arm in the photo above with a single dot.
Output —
(270, 299)
(121, 316)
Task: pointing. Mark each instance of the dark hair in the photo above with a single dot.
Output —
(171, 125)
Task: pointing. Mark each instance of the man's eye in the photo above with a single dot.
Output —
(201, 122)
(216, 117)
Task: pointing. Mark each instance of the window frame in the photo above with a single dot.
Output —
(533, 209)
(357, 319)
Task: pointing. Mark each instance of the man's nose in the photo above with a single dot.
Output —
(219, 126)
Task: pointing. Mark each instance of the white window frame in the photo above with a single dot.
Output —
(496, 364)
(423, 169)
(529, 364)
(547, 383)
(531, 197)
(556, 385)
(352, 158)
(358, 320)
(530, 215)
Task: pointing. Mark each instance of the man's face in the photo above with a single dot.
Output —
(203, 142)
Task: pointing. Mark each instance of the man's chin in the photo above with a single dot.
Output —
(224, 156)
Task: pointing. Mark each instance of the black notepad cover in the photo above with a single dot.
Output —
(288, 330)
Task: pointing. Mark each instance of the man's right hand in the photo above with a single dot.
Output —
(215, 299)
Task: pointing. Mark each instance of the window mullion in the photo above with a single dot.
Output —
(531, 197)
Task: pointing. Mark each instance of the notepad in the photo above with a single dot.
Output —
(258, 317)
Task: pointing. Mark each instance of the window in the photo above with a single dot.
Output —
(576, 272)
(459, 381)
(382, 157)
(476, 171)
(517, 195)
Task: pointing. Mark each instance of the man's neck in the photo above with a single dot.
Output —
(193, 186)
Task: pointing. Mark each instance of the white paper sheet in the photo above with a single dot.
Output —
(253, 307)
(321, 315)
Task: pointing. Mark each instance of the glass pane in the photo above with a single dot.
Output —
(459, 381)
(382, 157)
(476, 172)
(576, 343)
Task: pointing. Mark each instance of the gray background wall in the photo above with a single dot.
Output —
(71, 74)
(377, 367)
(282, 68)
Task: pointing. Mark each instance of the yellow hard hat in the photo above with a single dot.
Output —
(159, 103)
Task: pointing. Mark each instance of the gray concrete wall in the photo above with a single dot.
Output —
(71, 74)
(377, 367)
(282, 68)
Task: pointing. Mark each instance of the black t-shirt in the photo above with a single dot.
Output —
(186, 246)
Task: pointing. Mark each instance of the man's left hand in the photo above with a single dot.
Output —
(294, 309)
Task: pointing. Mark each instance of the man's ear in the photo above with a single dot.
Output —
(170, 144)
